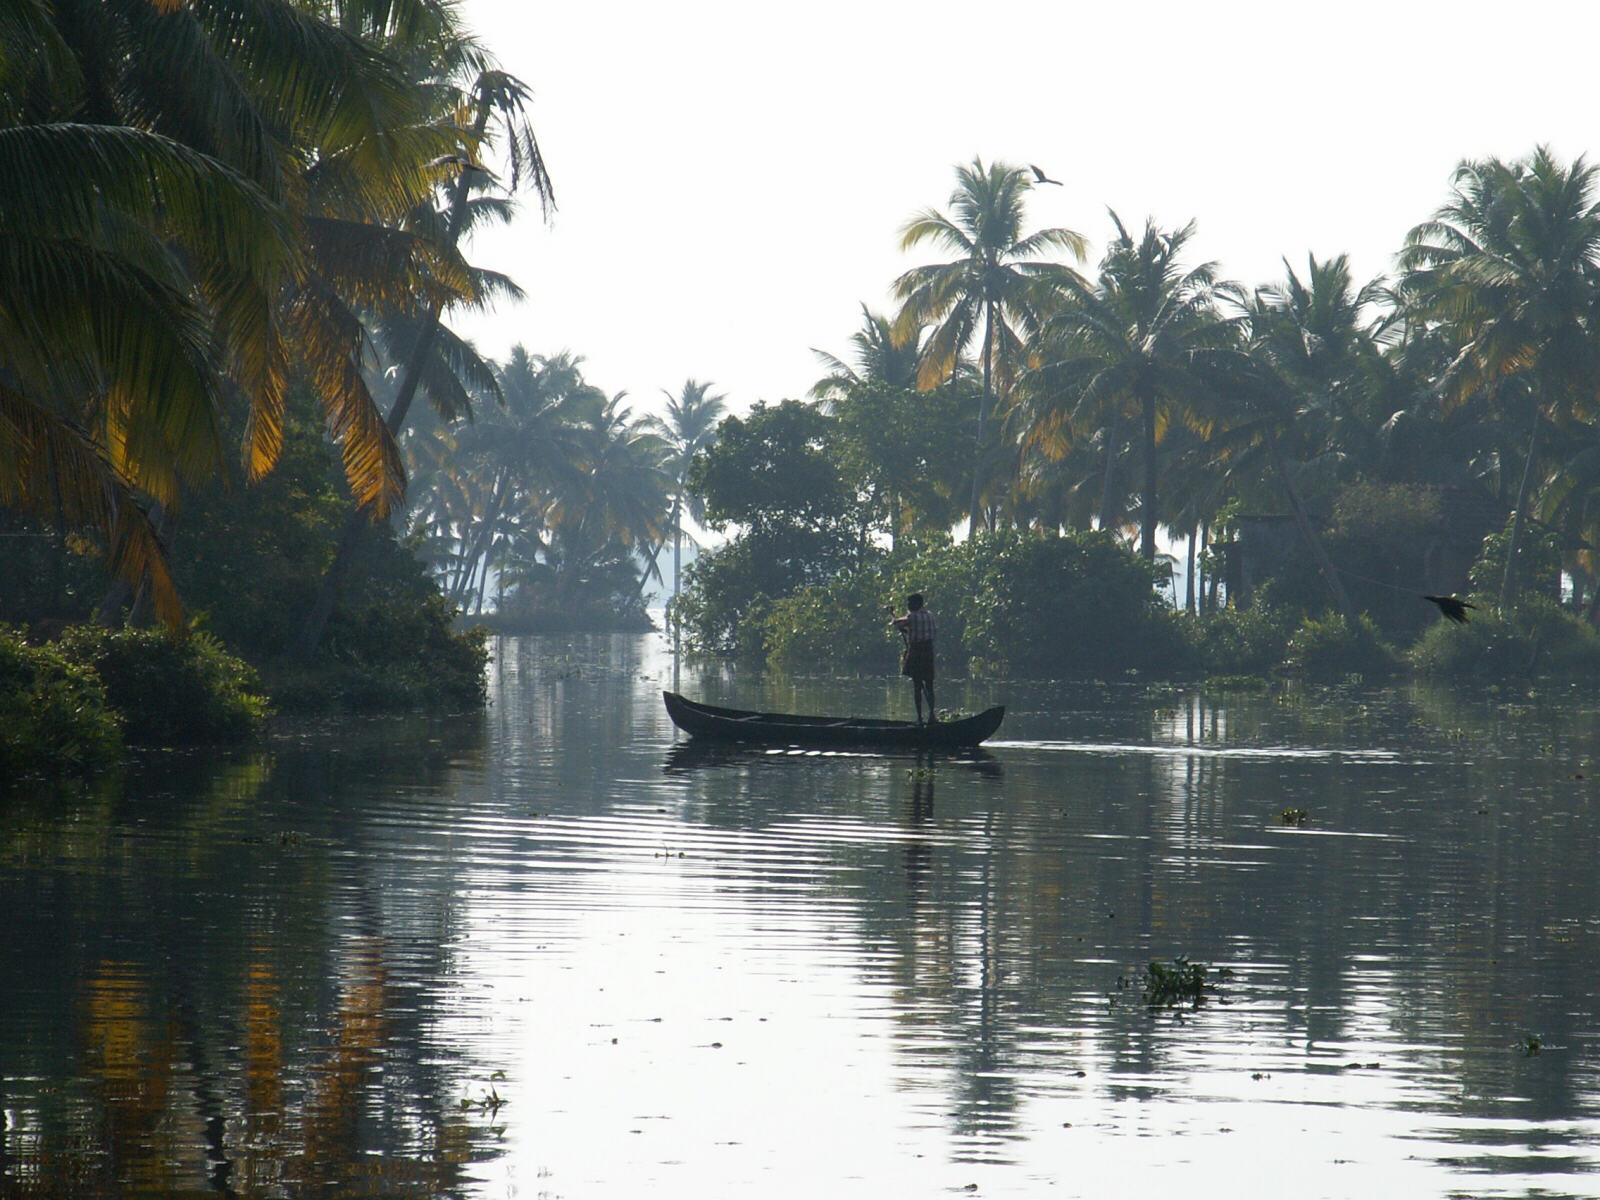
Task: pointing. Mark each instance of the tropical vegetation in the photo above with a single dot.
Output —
(1430, 432)
(232, 405)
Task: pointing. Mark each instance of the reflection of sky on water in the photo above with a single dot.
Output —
(764, 981)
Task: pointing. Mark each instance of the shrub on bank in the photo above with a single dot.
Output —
(170, 691)
(1235, 642)
(54, 720)
(1537, 636)
(1070, 606)
(386, 655)
(1330, 647)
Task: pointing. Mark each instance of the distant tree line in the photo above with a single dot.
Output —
(1153, 396)
(233, 242)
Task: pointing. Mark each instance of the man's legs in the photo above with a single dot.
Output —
(926, 685)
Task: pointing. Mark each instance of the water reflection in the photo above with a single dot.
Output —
(558, 951)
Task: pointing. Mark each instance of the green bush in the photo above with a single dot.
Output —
(1378, 539)
(1538, 562)
(1329, 647)
(1026, 604)
(388, 655)
(170, 691)
(1234, 641)
(1079, 605)
(54, 720)
(1537, 636)
(842, 624)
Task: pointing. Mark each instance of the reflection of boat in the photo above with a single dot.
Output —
(787, 729)
(697, 754)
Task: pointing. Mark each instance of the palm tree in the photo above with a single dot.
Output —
(614, 506)
(485, 487)
(882, 357)
(1296, 391)
(497, 105)
(897, 439)
(995, 280)
(1123, 349)
(109, 387)
(309, 114)
(1510, 266)
(688, 427)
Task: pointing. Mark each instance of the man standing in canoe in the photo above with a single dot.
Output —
(919, 627)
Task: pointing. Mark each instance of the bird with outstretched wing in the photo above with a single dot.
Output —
(1452, 607)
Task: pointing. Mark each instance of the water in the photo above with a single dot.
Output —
(551, 952)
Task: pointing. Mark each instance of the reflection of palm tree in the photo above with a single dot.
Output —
(994, 279)
(689, 426)
(1510, 265)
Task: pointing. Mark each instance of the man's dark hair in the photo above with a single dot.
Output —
(914, 601)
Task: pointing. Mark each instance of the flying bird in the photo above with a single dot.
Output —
(1040, 177)
(1454, 609)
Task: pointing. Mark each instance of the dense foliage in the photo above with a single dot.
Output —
(232, 239)
(170, 691)
(1536, 637)
(54, 719)
(777, 475)
(1035, 605)
(552, 502)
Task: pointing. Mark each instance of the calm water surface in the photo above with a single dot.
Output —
(554, 952)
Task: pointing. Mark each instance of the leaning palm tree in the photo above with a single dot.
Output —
(688, 427)
(493, 110)
(1510, 267)
(1122, 350)
(995, 281)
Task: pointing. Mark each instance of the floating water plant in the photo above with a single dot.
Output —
(1294, 816)
(1531, 1045)
(1178, 982)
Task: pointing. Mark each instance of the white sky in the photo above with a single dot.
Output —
(731, 176)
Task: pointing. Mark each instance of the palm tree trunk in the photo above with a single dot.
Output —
(983, 413)
(483, 543)
(1509, 579)
(1302, 520)
(649, 563)
(1147, 504)
(677, 540)
(1188, 576)
(1108, 480)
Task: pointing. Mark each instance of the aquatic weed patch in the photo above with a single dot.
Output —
(1180, 982)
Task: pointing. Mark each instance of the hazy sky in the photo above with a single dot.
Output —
(731, 177)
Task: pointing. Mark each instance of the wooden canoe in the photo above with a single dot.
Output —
(787, 729)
